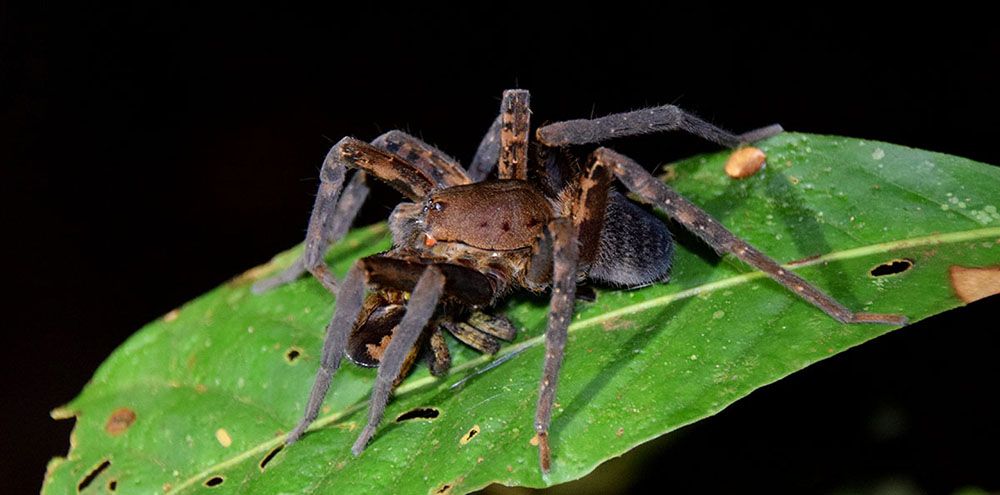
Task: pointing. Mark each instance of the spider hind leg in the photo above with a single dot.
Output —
(722, 240)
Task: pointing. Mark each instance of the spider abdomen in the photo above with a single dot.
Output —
(635, 247)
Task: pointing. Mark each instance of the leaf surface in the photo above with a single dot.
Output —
(199, 400)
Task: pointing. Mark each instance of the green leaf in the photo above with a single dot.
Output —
(199, 399)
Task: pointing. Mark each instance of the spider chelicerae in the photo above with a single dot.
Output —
(463, 242)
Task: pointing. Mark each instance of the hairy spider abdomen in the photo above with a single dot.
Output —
(500, 215)
(635, 247)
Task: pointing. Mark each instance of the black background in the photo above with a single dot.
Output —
(151, 152)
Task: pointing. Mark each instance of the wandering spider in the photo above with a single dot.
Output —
(462, 243)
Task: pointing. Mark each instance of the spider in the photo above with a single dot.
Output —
(462, 242)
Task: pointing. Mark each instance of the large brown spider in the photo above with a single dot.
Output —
(548, 221)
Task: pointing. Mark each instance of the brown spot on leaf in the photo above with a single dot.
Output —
(974, 283)
(119, 421)
(534, 441)
(200, 388)
(252, 275)
(62, 412)
(469, 435)
(745, 162)
(223, 437)
(612, 324)
(172, 315)
(620, 432)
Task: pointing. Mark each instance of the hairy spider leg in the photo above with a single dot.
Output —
(419, 310)
(349, 300)
(645, 121)
(439, 357)
(334, 229)
(487, 154)
(561, 241)
(515, 121)
(699, 222)
(473, 337)
(436, 164)
(458, 282)
(326, 227)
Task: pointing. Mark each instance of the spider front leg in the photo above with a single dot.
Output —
(349, 300)
(393, 361)
(409, 160)
(700, 223)
(561, 244)
(646, 121)
(419, 310)
(329, 228)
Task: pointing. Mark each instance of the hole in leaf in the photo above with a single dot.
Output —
(112, 485)
(214, 481)
(892, 267)
(94, 473)
(419, 413)
(270, 455)
(446, 488)
(469, 435)
(292, 354)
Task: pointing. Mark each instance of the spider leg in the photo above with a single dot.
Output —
(700, 223)
(473, 337)
(564, 266)
(336, 227)
(349, 301)
(496, 325)
(487, 154)
(439, 357)
(326, 228)
(445, 170)
(423, 302)
(515, 121)
(646, 121)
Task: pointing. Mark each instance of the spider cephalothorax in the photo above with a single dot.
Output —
(462, 243)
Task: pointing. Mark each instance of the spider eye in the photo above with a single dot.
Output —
(438, 206)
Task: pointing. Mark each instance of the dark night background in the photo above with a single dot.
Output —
(150, 153)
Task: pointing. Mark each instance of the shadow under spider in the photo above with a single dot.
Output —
(640, 340)
(803, 230)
